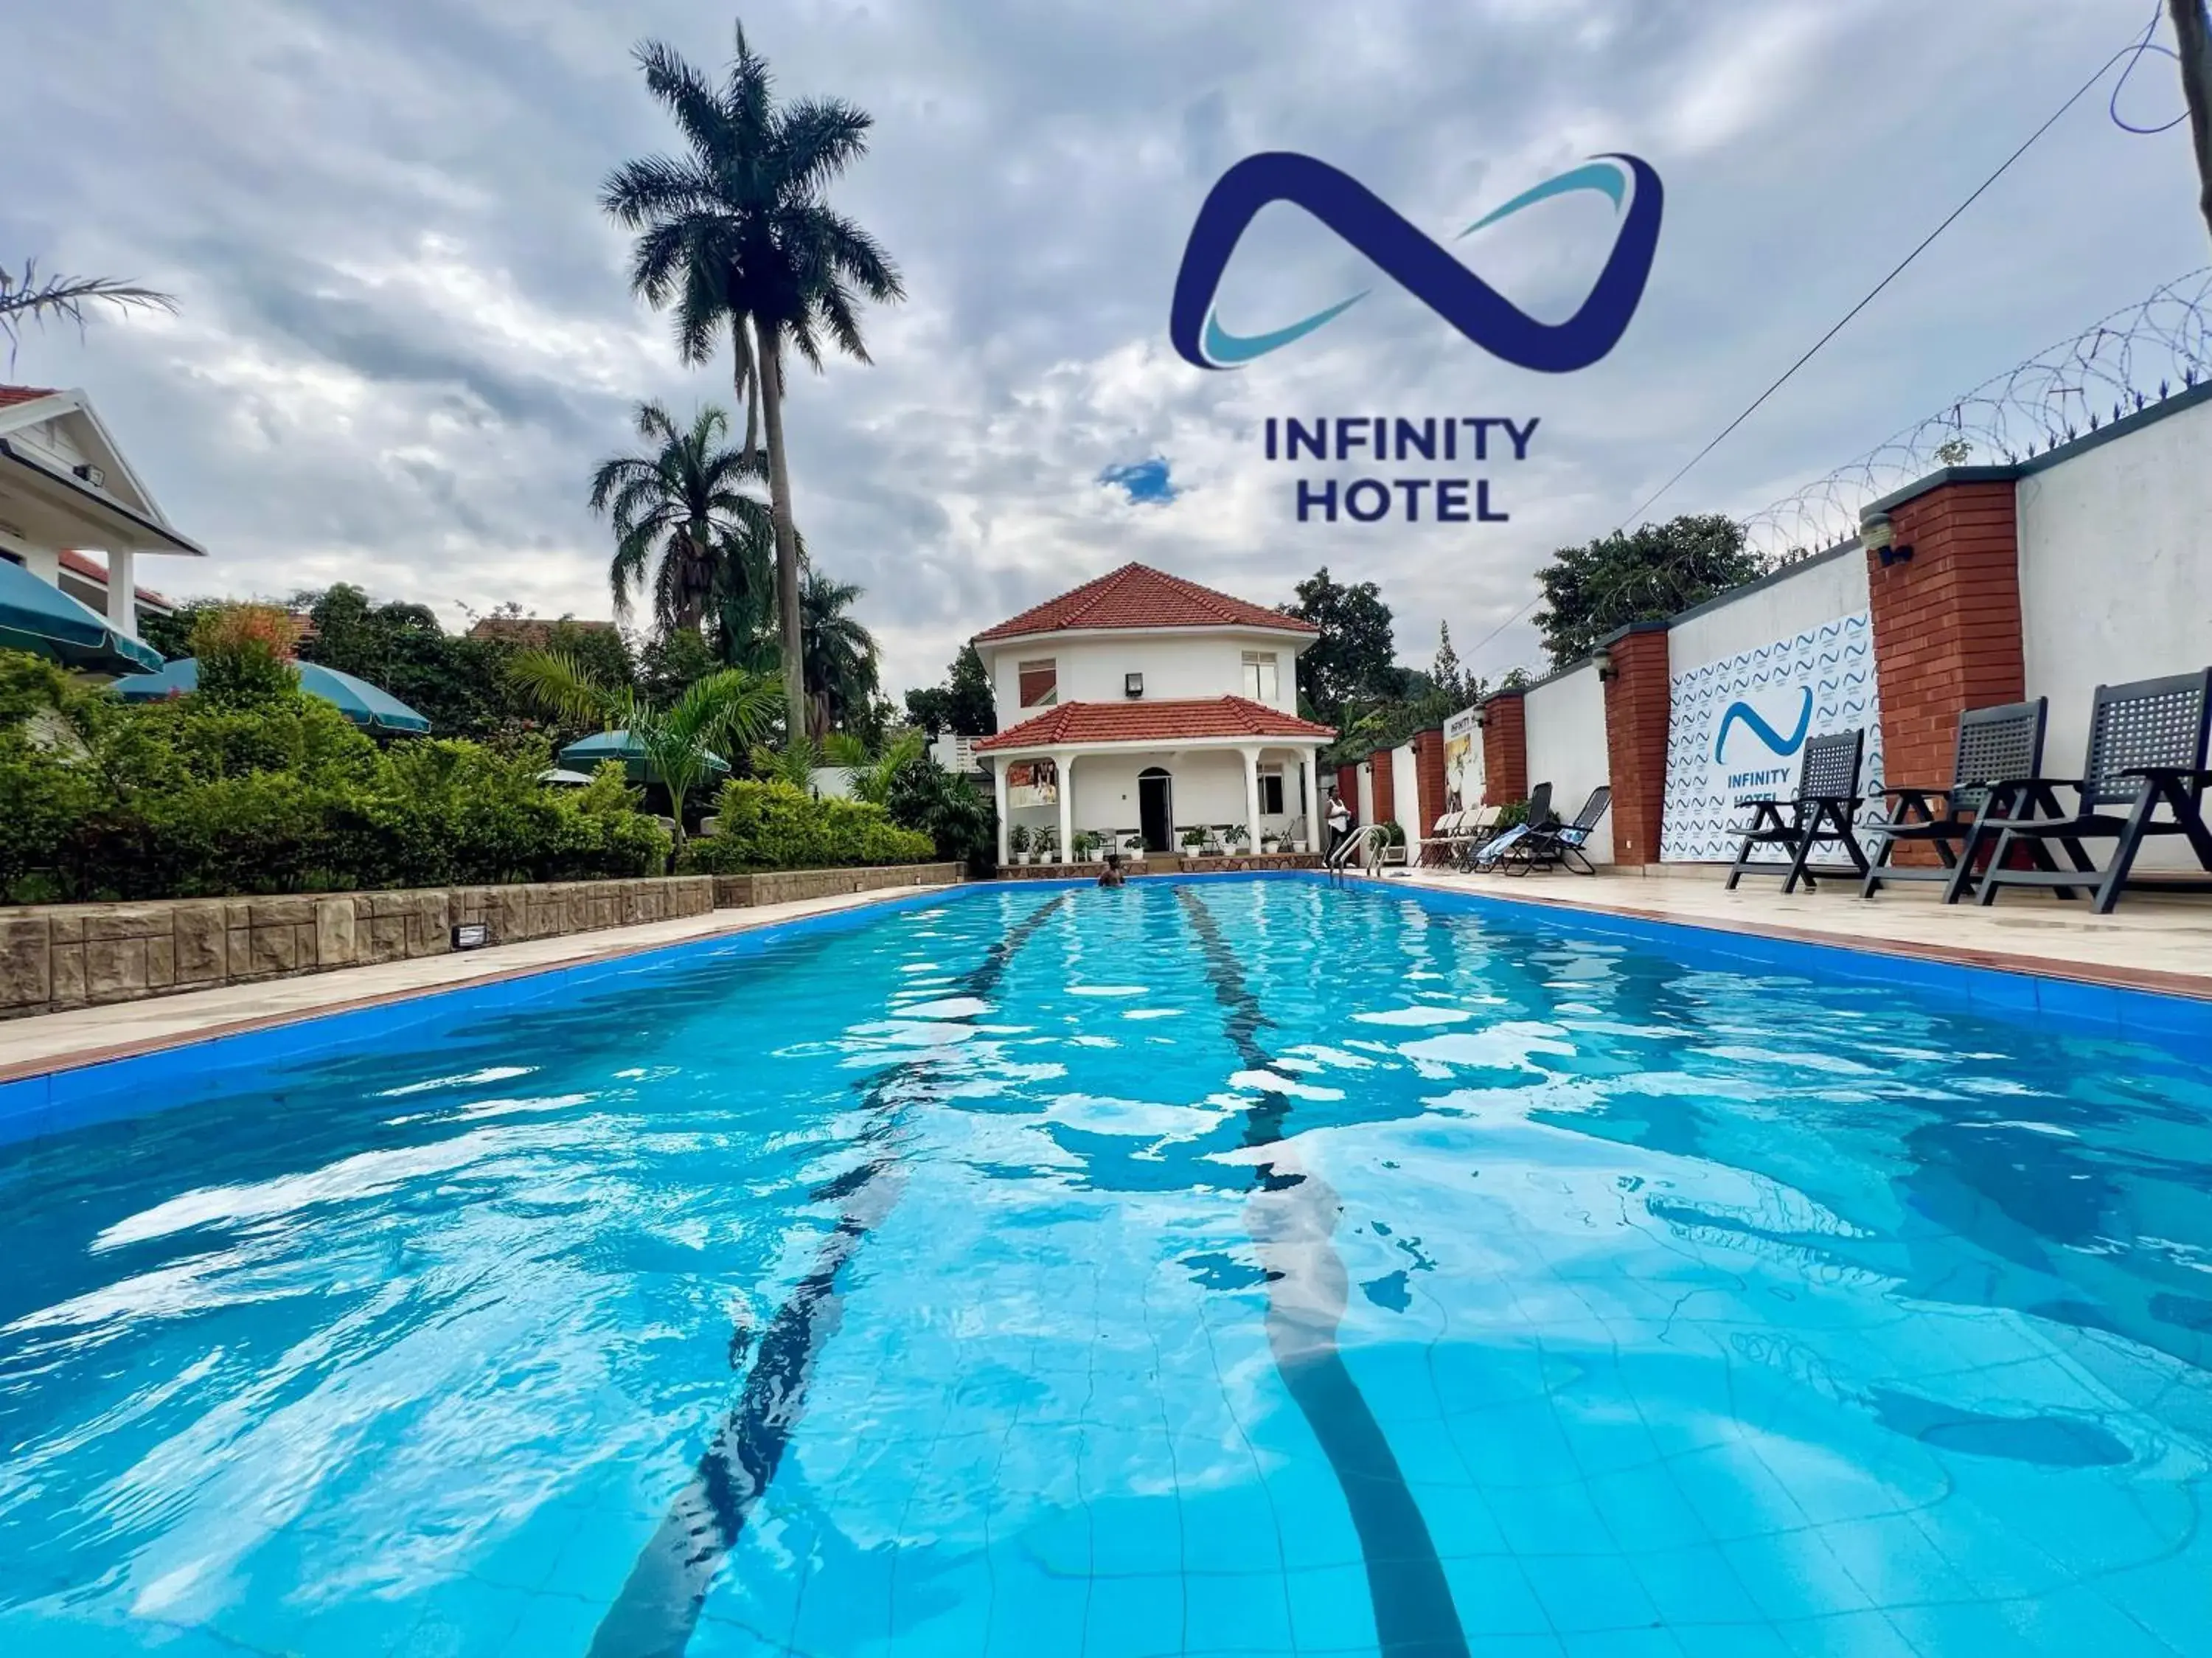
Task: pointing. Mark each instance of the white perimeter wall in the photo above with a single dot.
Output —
(1567, 749)
(1412, 812)
(2115, 578)
(1800, 601)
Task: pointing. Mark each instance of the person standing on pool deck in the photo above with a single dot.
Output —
(1339, 820)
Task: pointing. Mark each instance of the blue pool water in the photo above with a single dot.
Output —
(1228, 1266)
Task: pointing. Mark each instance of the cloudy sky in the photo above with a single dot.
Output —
(406, 336)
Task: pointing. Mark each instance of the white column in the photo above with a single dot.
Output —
(998, 794)
(1251, 794)
(1064, 765)
(1313, 800)
(122, 596)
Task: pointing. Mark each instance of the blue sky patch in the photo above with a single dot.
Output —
(1146, 480)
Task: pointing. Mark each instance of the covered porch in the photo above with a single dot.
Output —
(1156, 794)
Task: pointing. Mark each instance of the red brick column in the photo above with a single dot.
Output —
(1429, 774)
(1636, 714)
(1947, 631)
(1505, 749)
(1386, 807)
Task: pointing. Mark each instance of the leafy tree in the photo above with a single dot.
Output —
(1353, 659)
(963, 704)
(457, 683)
(1453, 683)
(244, 654)
(683, 523)
(841, 656)
(671, 661)
(722, 713)
(736, 236)
(1644, 576)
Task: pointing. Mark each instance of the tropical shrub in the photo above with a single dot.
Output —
(246, 653)
(774, 825)
(204, 796)
(951, 811)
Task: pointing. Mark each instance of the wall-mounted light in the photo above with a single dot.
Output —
(1601, 659)
(1481, 715)
(91, 474)
(1878, 535)
(1133, 685)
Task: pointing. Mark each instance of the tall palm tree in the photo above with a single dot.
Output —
(839, 654)
(683, 739)
(737, 236)
(27, 299)
(682, 502)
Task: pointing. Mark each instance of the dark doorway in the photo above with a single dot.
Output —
(1155, 809)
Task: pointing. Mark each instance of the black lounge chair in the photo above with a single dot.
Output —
(1994, 743)
(1560, 846)
(2146, 749)
(1827, 800)
(1487, 854)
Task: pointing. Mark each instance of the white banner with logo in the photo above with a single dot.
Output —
(1463, 761)
(1737, 730)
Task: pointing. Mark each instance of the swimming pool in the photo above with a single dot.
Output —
(1230, 1266)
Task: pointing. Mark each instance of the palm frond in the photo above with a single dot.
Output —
(564, 687)
(27, 299)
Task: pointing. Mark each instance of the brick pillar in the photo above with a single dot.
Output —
(1505, 750)
(1947, 630)
(1386, 805)
(1428, 771)
(1636, 714)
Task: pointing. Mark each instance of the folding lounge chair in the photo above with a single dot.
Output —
(2006, 741)
(1443, 833)
(2146, 749)
(1486, 856)
(1827, 800)
(1561, 845)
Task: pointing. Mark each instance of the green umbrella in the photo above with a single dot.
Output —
(46, 622)
(587, 752)
(358, 700)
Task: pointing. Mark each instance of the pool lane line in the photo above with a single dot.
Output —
(658, 1607)
(1292, 1214)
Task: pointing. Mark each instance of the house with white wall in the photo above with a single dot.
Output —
(1143, 705)
(66, 493)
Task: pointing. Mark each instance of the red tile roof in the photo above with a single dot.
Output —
(1137, 596)
(10, 395)
(1149, 722)
(78, 565)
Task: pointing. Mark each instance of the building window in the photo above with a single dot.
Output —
(1039, 683)
(1260, 683)
(1271, 791)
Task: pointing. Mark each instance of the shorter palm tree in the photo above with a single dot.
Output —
(727, 712)
(873, 770)
(839, 654)
(684, 525)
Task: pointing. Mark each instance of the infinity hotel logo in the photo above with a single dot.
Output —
(1420, 266)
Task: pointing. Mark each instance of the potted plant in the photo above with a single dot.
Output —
(1048, 846)
(1238, 838)
(1133, 849)
(1271, 842)
(1087, 847)
(1017, 842)
(1194, 841)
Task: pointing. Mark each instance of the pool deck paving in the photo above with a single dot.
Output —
(2160, 944)
(2150, 943)
(83, 1036)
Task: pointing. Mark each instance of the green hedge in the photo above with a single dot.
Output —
(774, 825)
(187, 799)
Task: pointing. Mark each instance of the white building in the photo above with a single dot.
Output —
(1142, 704)
(65, 488)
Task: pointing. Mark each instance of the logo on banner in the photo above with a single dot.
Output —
(1416, 263)
(1765, 763)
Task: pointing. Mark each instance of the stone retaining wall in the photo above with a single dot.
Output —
(57, 956)
(791, 886)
